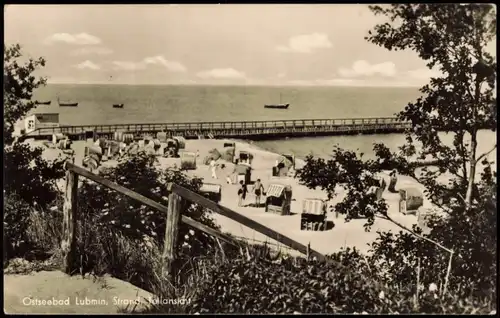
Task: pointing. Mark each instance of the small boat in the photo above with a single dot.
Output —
(66, 104)
(277, 106)
(118, 105)
(42, 103)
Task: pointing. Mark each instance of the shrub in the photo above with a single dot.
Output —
(242, 286)
(30, 176)
(29, 186)
(16, 221)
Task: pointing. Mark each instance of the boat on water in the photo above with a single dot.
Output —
(277, 106)
(62, 104)
(42, 103)
(68, 104)
(118, 105)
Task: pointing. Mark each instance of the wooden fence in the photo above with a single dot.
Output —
(173, 217)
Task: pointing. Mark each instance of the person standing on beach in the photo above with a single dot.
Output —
(213, 167)
(392, 183)
(242, 193)
(258, 188)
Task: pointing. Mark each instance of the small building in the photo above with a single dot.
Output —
(410, 200)
(42, 120)
(313, 216)
(212, 191)
(279, 199)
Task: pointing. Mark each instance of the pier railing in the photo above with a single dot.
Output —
(173, 218)
(237, 128)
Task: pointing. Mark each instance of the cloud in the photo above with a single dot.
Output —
(88, 65)
(75, 39)
(424, 73)
(364, 68)
(172, 66)
(306, 43)
(351, 82)
(128, 66)
(222, 73)
(91, 50)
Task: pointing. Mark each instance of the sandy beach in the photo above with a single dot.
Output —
(342, 235)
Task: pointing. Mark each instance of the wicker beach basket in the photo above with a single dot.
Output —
(162, 136)
(181, 141)
(64, 144)
(188, 161)
(57, 137)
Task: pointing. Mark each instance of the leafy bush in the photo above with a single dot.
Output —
(19, 85)
(242, 286)
(29, 180)
(31, 177)
(471, 234)
(16, 220)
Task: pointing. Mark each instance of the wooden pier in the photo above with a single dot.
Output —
(256, 130)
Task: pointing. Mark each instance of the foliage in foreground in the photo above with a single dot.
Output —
(19, 85)
(29, 180)
(459, 104)
(308, 287)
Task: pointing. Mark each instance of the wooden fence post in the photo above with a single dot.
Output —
(171, 233)
(68, 244)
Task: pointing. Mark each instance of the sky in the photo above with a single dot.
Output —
(210, 45)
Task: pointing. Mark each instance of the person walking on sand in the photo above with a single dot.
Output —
(242, 193)
(213, 167)
(258, 188)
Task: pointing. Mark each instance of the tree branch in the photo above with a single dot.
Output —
(417, 235)
(485, 154)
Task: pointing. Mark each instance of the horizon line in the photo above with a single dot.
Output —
(234, 85)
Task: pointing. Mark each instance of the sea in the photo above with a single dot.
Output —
(162, 104)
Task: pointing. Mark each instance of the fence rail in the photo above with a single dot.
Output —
(173, 217)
